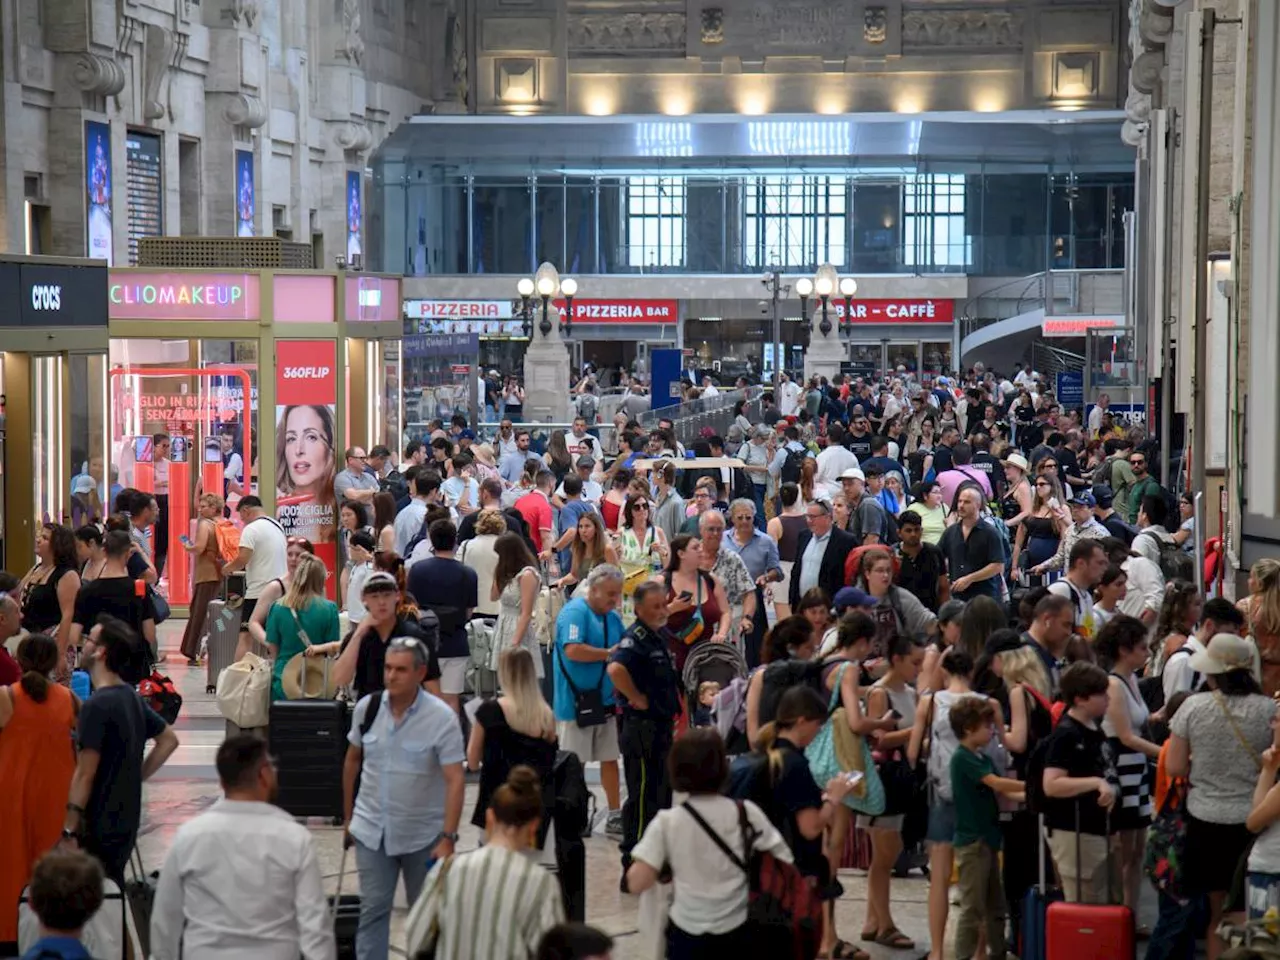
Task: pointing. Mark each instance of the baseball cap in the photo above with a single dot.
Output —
(1103, 495)
(847, 597)
(83, 484)
(379, 582)
(1082, 498)
(467, 434)
(853, 473)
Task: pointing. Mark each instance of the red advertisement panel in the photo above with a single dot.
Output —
(894, 311)
(622, 311)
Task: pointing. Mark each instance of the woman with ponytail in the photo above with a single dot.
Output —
(495, 903)
(37, 759)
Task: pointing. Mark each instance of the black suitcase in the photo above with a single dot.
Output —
(345, 910)
(571, 871)
(308, 739)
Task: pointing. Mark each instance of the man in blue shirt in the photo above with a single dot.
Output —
(759, 553)
(512, 464)
(65, 893)
(406, 747)
(587, 628)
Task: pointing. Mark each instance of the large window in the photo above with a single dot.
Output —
(655, 222)
(933, 221)
(796, 222)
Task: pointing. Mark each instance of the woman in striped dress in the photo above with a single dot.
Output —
(1122, 646)
(494, 903)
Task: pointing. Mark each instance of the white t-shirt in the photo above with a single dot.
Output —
(269, 561)
(832, 462)
(587, 446)
(710, 889)
(1081, 606)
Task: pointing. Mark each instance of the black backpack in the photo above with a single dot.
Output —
(395, 484)
(780, 676)
(1175, 563)
(573, 800)
(793, 465)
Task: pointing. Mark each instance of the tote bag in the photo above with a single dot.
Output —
(837, 750)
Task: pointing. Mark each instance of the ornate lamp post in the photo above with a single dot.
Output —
(524, 287)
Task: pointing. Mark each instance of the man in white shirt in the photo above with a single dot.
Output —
(592, 492)
(1026, 377)
(242, 879)
(263, 557)
(788, 395)
(1145, 593)
(1086, 564)
(581, 443)
(1220, 616)
(832, 462)
(1095, 414)
(709, 388)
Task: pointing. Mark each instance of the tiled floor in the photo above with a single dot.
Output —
(188, 784)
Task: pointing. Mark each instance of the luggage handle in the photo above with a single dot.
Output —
(337, 894)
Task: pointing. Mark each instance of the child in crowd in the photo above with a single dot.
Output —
(707, 691)
(974, 785)
(1081, 786)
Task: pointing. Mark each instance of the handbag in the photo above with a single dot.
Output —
(837, 750)
(244, 691)
(692, 631)
(588, 705)
(1163, 861)
(158, 604)
(901, 785)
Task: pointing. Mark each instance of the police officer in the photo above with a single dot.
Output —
(644, 674)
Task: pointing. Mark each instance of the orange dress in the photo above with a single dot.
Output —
(37, 759)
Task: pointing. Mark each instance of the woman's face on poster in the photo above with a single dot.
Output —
(306, 447)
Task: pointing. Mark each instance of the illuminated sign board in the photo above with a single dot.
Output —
(182, 296)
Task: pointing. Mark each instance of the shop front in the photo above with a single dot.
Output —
(621, 333)
(913, 336)
(500, 333)
(194, 358)
(53, 359)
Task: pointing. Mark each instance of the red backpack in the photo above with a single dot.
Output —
(784, 911)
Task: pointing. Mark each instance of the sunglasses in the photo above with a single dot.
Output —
(639, 506)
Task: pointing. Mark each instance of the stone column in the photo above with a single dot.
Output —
(546, 371)
(825, 353)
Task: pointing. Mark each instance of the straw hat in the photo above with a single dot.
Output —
(1225, 652)
(308, 678)
(484, 453)
(1017, 460)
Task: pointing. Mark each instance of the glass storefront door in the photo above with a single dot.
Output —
(905, 356)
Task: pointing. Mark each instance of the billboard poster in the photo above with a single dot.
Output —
(354, 216)
(246, 205)
(97, 186)
(306, 441)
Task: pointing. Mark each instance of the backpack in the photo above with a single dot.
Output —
(395, 484)
(1034, 772)
(1102, 472)
(941, 749)
(1174, 563)
(784, 913)
(792, 465)
(228, 539)
(571, 806)
(853, 562)
(587, 405)
(160, 694)
(1151, 688)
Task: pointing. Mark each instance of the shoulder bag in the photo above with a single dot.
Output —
(588, 705)
(837, 750)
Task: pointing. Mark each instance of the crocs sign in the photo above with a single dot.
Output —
(177, 296)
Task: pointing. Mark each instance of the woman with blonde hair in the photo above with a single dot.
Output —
(208, 574)
(1262, 613)
(479, 554)
(302, 619)
(518, 728)
(590, 548)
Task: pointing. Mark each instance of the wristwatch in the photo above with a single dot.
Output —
(451, 837)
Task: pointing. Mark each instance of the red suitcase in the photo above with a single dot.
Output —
(1089, 931)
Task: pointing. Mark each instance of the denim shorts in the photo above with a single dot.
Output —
(942, 822)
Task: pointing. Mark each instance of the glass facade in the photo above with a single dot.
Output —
(452, 219)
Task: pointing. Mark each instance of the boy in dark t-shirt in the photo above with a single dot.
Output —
(1080, 786)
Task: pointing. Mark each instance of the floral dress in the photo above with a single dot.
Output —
(732, 573)
(634, 556)
(504, 631)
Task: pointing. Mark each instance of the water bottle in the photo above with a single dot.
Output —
(80, 684)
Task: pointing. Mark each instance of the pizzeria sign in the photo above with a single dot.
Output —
(621, 311)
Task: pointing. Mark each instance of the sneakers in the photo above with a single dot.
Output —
(613, 824)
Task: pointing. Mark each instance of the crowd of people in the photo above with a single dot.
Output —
(982, 605)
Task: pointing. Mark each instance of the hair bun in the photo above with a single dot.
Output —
(524, 780)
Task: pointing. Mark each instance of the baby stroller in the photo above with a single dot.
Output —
(721, 663)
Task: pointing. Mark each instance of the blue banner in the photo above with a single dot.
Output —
(664, 367)
(1070, 389)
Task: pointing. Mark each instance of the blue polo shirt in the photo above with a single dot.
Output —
(578, 623)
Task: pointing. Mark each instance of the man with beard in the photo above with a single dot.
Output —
(204, 895)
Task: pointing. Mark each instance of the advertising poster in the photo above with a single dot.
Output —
(306, 447)
(246, 206)
(354, 216)
(97, 185)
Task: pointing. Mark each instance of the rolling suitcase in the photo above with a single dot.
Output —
(220, 647)
(1093, 930)
(309, 741)
(1031, 932)
(344, 909)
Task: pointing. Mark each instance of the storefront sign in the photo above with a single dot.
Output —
(458, 309)
(306, 447)
(1078, 326)
(892, 311)
(424, 345)
(51, 295)
(183, 296)
(1070, 389)
(621, 311)
(459, 369)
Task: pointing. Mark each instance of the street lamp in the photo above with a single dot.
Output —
(568, 287)
(524, 287)
(848, 287)
(825, 282)
(804, 290)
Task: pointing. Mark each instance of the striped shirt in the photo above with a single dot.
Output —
(492, 904)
